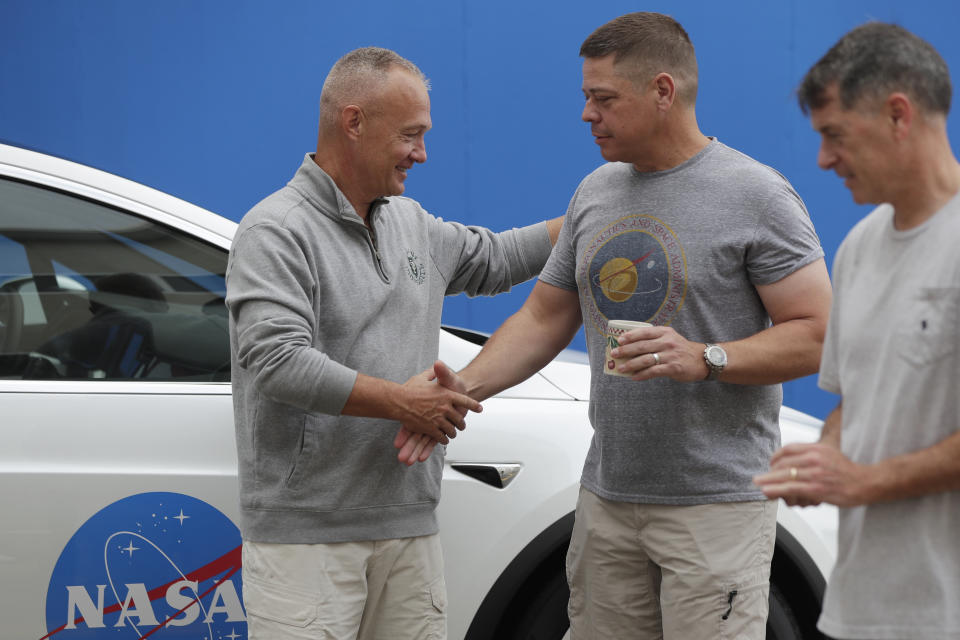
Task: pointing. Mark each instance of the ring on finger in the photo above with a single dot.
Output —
(794, 473)
(656, 358)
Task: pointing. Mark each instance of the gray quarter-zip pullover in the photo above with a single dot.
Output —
(315, 297)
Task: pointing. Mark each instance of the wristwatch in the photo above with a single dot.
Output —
(716, 359)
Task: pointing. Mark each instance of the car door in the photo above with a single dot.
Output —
(117, 462)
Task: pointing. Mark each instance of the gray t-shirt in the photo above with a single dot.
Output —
(893, 352)
(684, 247)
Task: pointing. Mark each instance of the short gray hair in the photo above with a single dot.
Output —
(353, 76)
(875, 60)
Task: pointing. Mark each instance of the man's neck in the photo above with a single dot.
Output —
(925, 190)
(674, 145)
(342, 176)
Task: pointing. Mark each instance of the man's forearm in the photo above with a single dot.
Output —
(526, 342)
(832, 427)
(373, 398)
(553, 228)
(932, 470)
(514, 353)
(798, 306)
(779, 353)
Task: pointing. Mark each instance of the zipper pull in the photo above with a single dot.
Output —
(729, 605)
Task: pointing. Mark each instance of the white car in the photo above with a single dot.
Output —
(118, 489)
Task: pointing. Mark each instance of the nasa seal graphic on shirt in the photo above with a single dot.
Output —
(634, 269)
(162, 565)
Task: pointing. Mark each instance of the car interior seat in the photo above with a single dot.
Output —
(118, 340)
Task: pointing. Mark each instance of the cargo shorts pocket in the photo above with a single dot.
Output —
(437, 617)
(742, 606)
(280, 604)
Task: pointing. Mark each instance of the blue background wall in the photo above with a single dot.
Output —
(216, 102)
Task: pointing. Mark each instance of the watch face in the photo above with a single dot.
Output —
(716, 356)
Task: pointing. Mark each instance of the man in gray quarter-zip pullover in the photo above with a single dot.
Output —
(335, 289)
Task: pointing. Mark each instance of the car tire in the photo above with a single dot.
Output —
(545, 614)
(781, 622)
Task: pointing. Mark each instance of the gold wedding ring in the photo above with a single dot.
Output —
(794, 473)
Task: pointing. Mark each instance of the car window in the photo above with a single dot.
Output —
(89, 292)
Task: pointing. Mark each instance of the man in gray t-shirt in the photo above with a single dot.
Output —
(686, 248)
(671, 539)
(890, 452)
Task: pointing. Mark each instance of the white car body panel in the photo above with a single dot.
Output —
(71, 448)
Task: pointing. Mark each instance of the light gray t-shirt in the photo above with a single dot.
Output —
(893, 353)
(684, 247)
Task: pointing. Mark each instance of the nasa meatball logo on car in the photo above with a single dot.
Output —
(165, 565)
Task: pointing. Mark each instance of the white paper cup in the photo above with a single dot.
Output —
(615, 329)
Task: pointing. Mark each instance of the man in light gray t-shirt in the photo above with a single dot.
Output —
(890, 452)
(716, 251)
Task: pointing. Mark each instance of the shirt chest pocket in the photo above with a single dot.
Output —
(929, 331)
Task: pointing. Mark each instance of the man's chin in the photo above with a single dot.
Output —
(862, 198)
(609, 154)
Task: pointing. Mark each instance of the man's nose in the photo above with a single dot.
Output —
(419, 153)
(589, 113)
(825, 157)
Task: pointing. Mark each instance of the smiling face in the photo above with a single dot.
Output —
(858, 145)
(393, 136)
(623, 118)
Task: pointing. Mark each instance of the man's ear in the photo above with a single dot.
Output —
(352, 121)
(666, 90)
(900, 113)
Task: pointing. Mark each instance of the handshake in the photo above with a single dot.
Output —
(433, 407)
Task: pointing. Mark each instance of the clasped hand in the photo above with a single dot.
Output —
(441, 408)
(805, 475)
